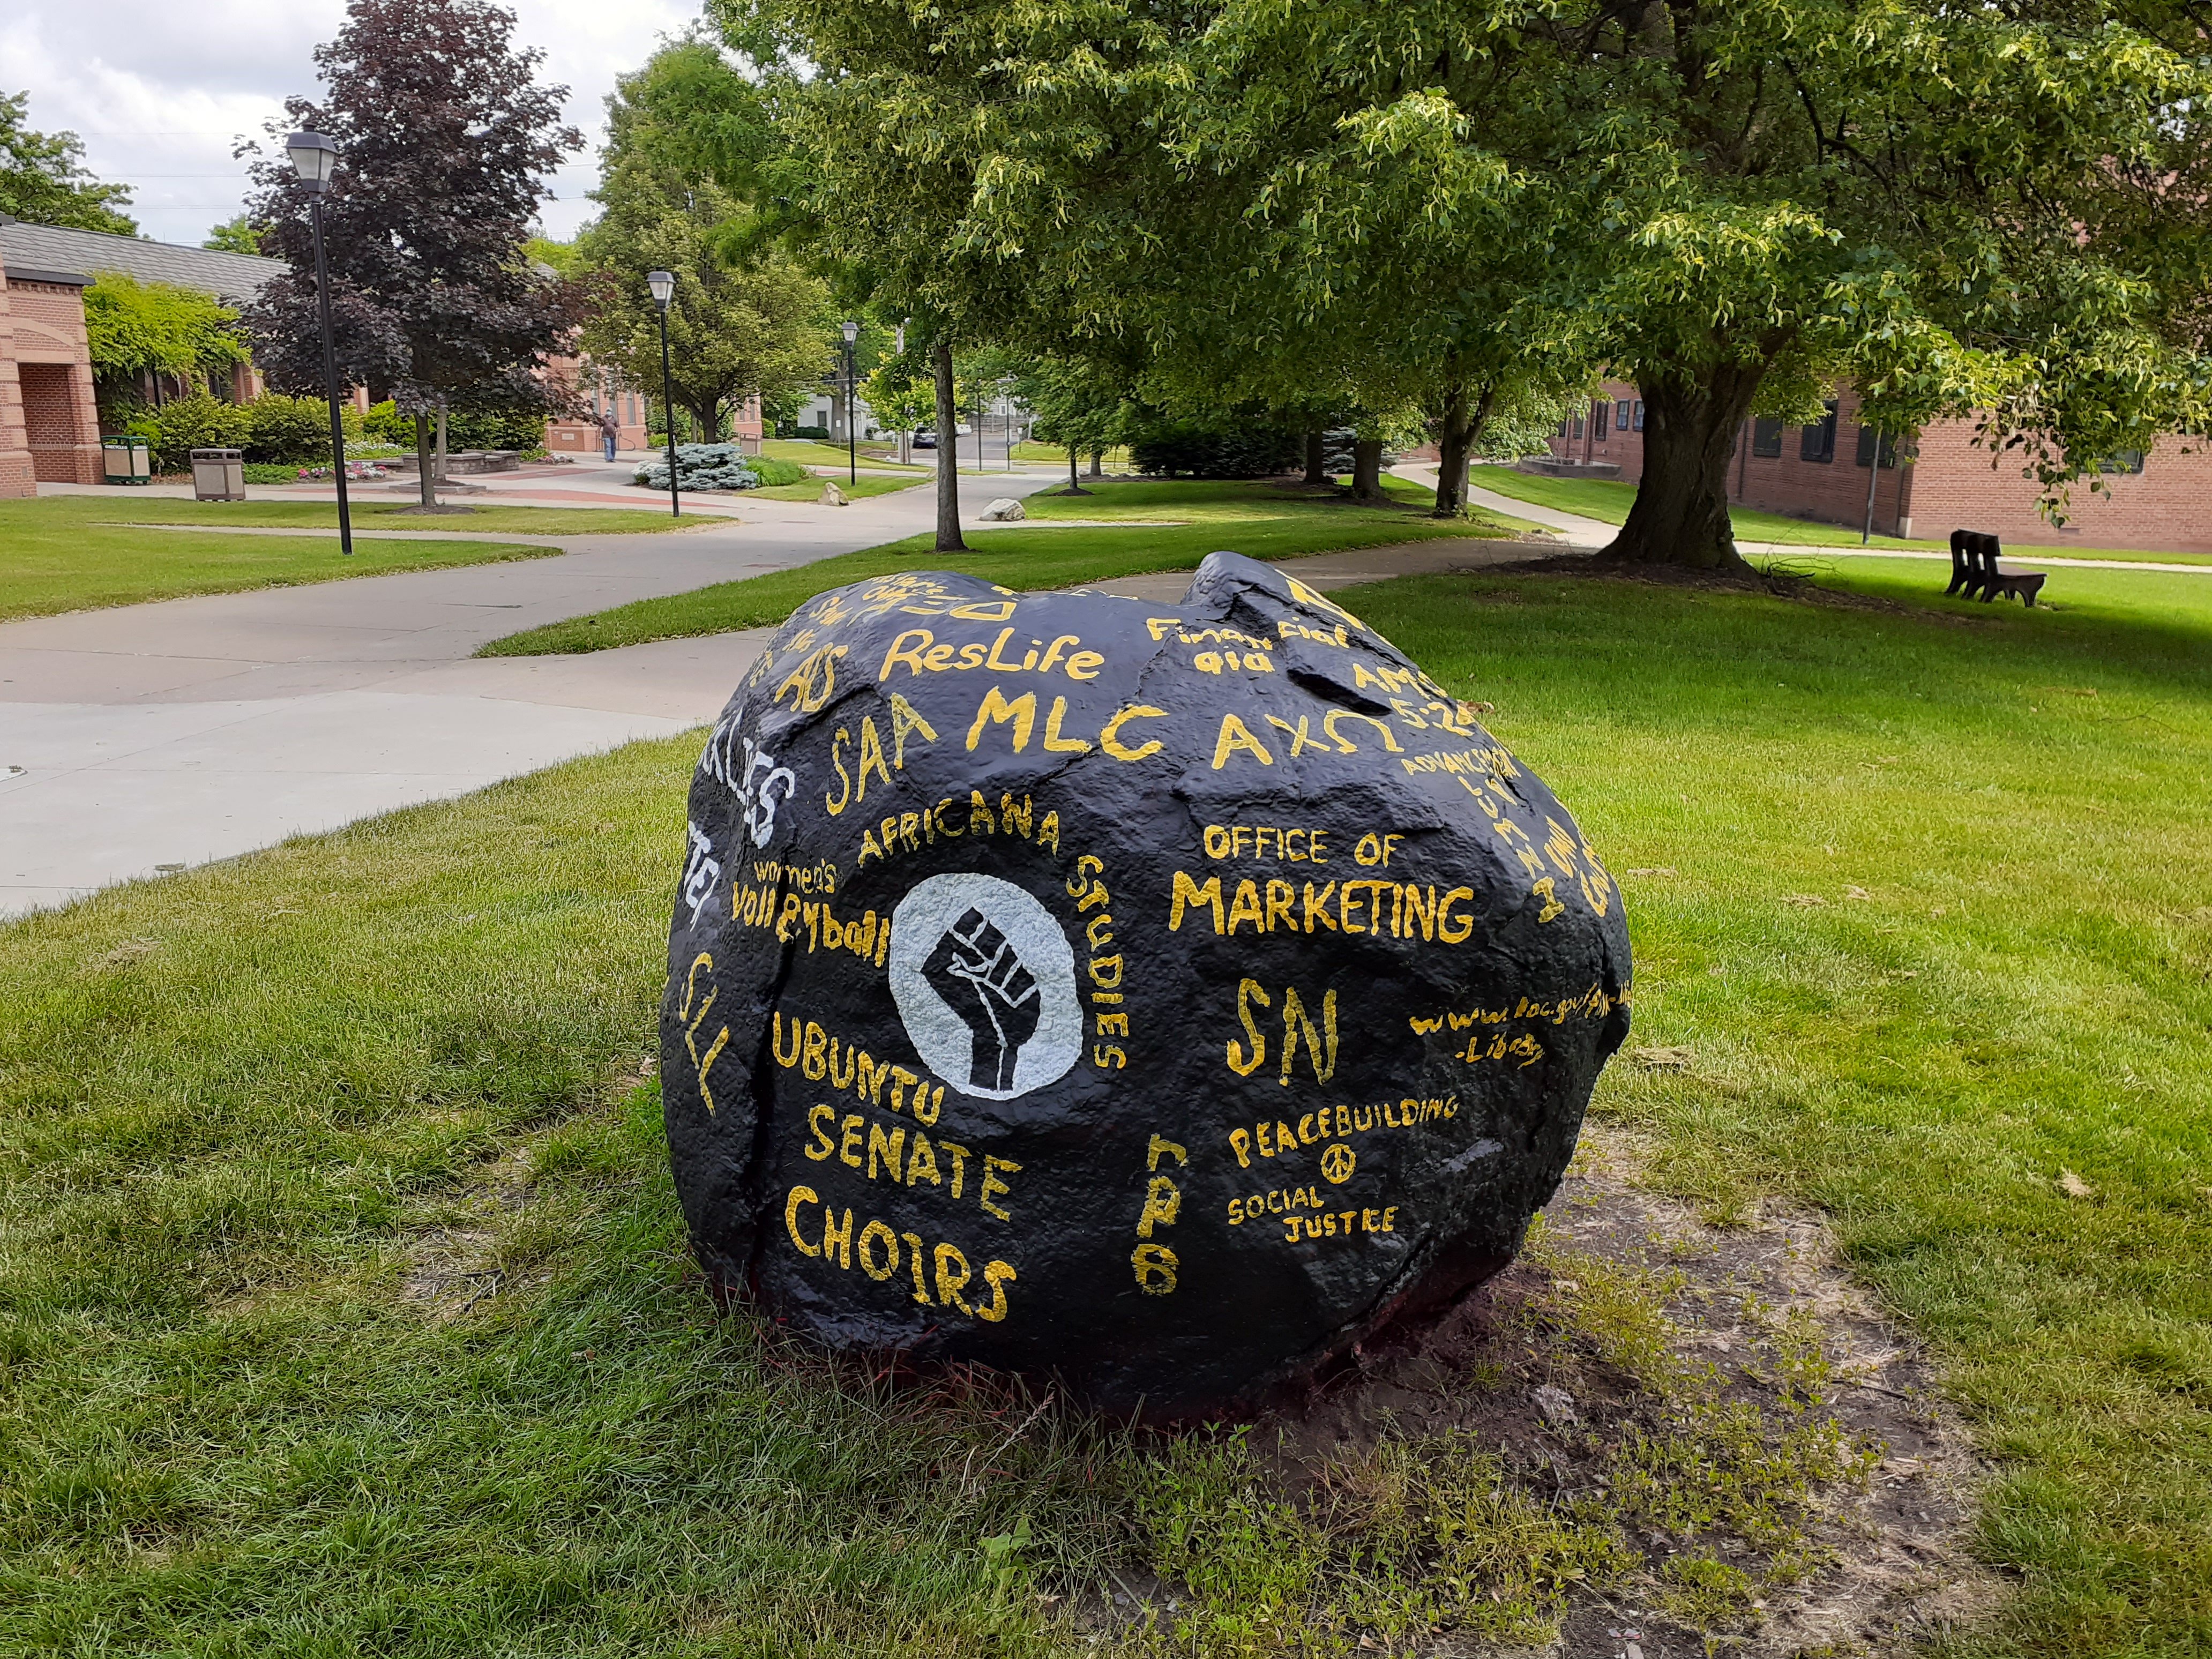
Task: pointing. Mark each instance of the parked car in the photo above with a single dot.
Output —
(925, 438)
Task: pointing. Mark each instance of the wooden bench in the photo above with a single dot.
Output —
(1975, 569)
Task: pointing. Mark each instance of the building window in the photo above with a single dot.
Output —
(1639, 414)
(1888, 448)
(2122, 460)
(1578, 427)
(1819, 443)
(1602, 419)
(1620, 416)
(1766, 438)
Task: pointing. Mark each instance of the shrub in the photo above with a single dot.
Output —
(199, 421)
(523, 429)
(773, 472)
(702, 466)
(288, 429)
(384, 421)
(501, 429)
(1194, 449)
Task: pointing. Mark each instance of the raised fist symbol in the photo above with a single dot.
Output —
(981, 980)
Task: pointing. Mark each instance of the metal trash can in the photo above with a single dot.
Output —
(218, 475)
(124, 459)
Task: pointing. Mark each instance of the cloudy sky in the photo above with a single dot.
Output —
(158, 90)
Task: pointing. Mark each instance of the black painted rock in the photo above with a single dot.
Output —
(1160, 997)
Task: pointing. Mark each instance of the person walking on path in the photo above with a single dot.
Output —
(610, 429)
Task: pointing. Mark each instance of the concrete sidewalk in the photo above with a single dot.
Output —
(173, 733)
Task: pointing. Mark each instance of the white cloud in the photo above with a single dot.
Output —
(160, 92)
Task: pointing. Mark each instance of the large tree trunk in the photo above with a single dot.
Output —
(1680, 514)
(1460, 419)
(1097, 464)
(423, 463)
(948, 456)
(1314, 475)
(1367, 469)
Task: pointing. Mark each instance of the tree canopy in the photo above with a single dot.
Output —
(445, 139)
(1454, 209)
(745, 319)
(236, 234)
(44, 180)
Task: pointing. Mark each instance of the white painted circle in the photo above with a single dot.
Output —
(930, 910)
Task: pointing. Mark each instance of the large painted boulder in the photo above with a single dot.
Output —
(1160, 998)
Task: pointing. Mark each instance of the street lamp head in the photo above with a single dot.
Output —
(663, 284)
(314, 158)
(852, 332)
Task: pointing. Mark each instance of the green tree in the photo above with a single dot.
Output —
(1087, 405)
(743, 320)
(234, 235)
(1955, 208)
(44, 180)
(893, 125)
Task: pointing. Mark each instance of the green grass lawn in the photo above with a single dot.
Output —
(813, 452)
(811, 491)
(1260, 520)
(127, 507)
(347, 1309)
(1033, 451)
(50, 564)
(1607, 500)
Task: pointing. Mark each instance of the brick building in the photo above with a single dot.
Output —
(2158, 500)
(49, 420)
(600, 388)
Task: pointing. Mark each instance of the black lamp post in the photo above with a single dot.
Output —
(852, 430)
(663, 284)
(315, 158)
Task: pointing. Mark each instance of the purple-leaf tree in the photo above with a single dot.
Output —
(445, 139)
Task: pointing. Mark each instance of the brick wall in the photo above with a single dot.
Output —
(60, 426)
(2168, 507)
(1833, 491)
(53, 372)
(16, 478)
(1950, 485)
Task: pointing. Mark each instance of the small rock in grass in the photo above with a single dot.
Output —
(833, 496)
(1004, 510)
(2074, 1187)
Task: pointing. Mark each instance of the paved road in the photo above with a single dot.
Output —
(190, 729)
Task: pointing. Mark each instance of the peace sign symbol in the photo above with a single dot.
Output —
(1337, 1162)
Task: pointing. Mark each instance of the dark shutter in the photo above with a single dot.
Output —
(1819, 443)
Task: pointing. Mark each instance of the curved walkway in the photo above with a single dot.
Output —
(156, 737)
(160, 736)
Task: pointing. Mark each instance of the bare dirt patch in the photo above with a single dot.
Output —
(1541, 1365)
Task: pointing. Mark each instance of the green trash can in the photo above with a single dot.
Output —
(125, 459)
